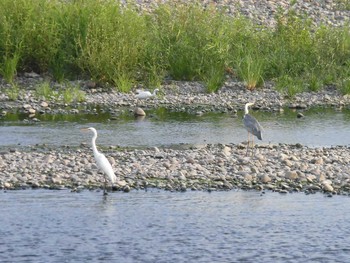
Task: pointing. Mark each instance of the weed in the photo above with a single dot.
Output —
(72, 94)
(103, 41)
(44, 90)
(250, 69)
(343, 4)
(123, 82)
(214, 78)
(289, 86)
(344, 86)
(314, 82)
(13, 92)
(9, 67)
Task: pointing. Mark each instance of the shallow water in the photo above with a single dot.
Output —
(320, 127)
(158, 226)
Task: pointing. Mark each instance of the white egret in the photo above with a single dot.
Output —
(101, 161)
(252, 125)
(145, 94)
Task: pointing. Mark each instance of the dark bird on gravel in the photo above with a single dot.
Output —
(251, 125)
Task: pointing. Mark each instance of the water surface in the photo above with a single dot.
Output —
(320, 127)
(158, 226)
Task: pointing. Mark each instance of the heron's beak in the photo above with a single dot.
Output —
(84, 129)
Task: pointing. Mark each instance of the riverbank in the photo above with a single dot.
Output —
(326, 12)
(174, 95)
(279, 168)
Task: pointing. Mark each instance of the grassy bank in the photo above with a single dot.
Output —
(99, 40)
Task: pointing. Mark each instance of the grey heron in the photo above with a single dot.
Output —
(251, 125)
(101, 161)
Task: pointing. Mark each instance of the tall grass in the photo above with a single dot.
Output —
(122, 47)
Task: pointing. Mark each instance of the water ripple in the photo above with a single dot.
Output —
(157, 226)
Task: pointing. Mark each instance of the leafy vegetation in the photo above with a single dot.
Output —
(120, 46)
(343, 4)
(67, 94)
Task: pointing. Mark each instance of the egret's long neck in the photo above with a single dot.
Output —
(93, 142)
(154, 92)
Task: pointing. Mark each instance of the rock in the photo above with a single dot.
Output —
(327, 187)
(31, 75)
(265, 178)
(248, 177)
(44, 104)
(226, 151)
(300, 115)
(7, 185)
(126, 189)
(317, 161)
(26, 106)
(139, 112)
(311, 177)
(292, 175)
(121, 183)
(287, 163)
(181, 176)
(90, 84)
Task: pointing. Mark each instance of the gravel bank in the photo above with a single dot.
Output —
(177, 96)
(326, 12)
(279, 168)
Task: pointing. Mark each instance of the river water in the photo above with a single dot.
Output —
(159, 226)
(320, 127)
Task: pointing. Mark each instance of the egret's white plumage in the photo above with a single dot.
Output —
(251, 124)
(145, 94)
(101, 160)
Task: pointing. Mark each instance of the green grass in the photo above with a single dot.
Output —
(72, 94)
(13, 92)
(67, 94)
(44, 90)
(122, 47)
(343, 4)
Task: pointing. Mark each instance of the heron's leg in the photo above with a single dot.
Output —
(248, 144)
(253, 147)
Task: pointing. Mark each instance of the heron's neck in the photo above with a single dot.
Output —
(246, 109)
(93, 142)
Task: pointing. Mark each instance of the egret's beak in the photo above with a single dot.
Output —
(84, 129)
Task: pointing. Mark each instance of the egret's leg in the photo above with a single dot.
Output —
(104, 187)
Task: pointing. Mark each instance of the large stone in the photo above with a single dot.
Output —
(265, 178)
(139, 112)
(327, 187)
(44, 104)
(292, 175)
(226, 151)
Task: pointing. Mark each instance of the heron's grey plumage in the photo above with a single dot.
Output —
(252, 126)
